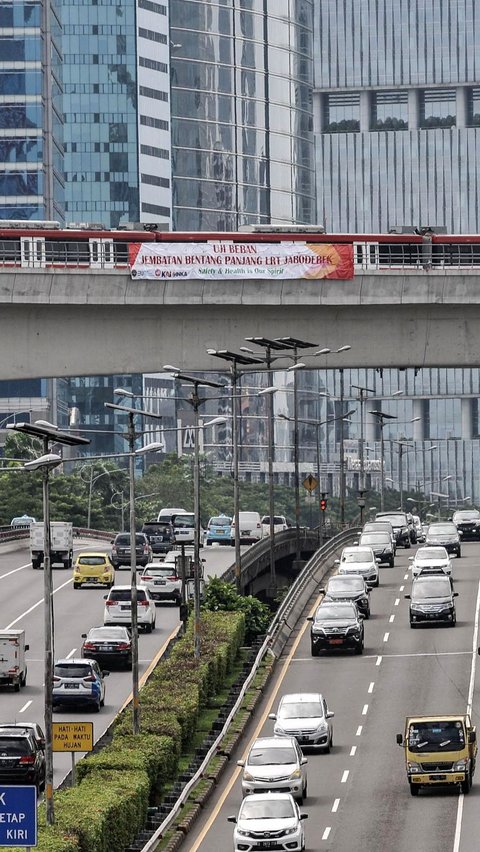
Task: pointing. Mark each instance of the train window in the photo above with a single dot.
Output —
(101, 253)
(9, 252)
(32, 251)
(120, 253)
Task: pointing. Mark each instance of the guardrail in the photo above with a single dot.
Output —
(291, 607)
(9, 534)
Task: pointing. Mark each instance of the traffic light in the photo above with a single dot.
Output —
(323, 503)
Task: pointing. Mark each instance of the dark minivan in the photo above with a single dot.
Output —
(160, 535)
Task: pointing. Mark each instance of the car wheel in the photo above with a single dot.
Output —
(16, 687)
(367, 614)
(467, 784)
(76, 585)
(305, 790)
(148, 628)
(327, 748)
(23, 679)
(300, 800)
(359, 649)
(453, 621)
(413, 625)
(408, 545)
(377, 582)
(459, 554)
(41, 785)
(208, 543)
(414, 789)
(128, 664)
(96, 707)
(315, 651)
(392, 562)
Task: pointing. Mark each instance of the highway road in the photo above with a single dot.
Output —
(21, 606)
(358, 795)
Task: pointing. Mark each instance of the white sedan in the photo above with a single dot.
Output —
(431, 557)
(359, 560)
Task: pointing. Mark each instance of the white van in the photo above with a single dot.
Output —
(250, 528)
(167, 514)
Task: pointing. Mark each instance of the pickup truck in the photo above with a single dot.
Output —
(439, 750)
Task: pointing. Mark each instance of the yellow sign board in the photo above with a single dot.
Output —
(310, 482)
(72, 736)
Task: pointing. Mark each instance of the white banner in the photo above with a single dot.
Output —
(369, 465)
(217, 260)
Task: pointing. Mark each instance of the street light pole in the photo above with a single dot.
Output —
(361, 485)
(381, 418)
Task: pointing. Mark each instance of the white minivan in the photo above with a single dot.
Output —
(250, 528)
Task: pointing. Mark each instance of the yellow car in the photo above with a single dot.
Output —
(93, 568)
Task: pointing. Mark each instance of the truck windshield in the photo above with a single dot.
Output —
(436, 736)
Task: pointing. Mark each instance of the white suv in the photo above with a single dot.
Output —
(162, 581)
(118, 608)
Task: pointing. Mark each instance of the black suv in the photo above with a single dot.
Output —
(467, 521)
(348, 587)
(431, 600)
(22, 757)
(401, 527)
(121, 554)
(336, 626)
(160, 535)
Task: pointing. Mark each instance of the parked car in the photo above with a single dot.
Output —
(121, 551)
(160, 535)
(359, 560)
(280, 523)
(305, 716)
(266, 815)
(401, 528)
(432, 600)
(348, 587)
(381, 544)
(77, 683)
(218, 530)
(436, 557)
(118, 608)
(162, 581)
(275, 763)
(467, 521)
(446, 534)
(108, 646)
(93, 569)
(251, 529)
(336, 626)
(22, 756)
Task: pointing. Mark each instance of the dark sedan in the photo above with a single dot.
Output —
(446, 534)
(468, 523)
(336, 626)
(349, 587)
(108, 645)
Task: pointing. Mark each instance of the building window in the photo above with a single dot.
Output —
(342, 113)
(390, 111)
(474, 107)
(438, 108)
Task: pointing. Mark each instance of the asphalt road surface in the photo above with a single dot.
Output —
(75, 611)
(358, 795)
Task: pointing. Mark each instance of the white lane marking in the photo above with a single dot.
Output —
(353, 751)
(385, 638)
(359, 730)
(401, 589)
(397, 601)
(430, 654)
(345, 776)
(70, 654)
(379, 660)
(326, 833)
(14, 570)
(25, 706)
(365, 710)
(28, 611)
(406, 577)
(370, 688)
(335, 806)
(391, 619)
(471, 689)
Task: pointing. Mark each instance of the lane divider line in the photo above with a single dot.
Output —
(359, 730)
(28, 611)
(385, 638)
(326, 833)
(14, 570)
(370, 688)
(397, 601)
(353, 751)
(471, 689)
(345, 775)
(335, 806)
(26, 706)
(406, 577)
(70, 653)
(401, 589)
(379, 660)
(392, 619)
(365, 710)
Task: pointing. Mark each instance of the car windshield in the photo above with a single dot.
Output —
(466, 516)
(436, 736)
(13, 745)
(72, 670)
(375, 538)
(272, 756)
(442, 529)
(154, 528)
(220, 522)
(265, 809)
(91, 560)
(301, 710)
(345, 584)
(431, 588)
(395, 520)
(326, 612)
(125, 595)
(167, 571)
(124, 540)
(184, 522)
(426, 553)
(356, 556)
(107, 634)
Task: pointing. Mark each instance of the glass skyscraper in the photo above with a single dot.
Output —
(397, 114)
(31, 132)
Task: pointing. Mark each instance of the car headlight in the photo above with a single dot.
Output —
(247, 776)
(290, 830)
(242, 833)
(413, 767)
(279, 730)
(317, 631)
(354, 630)
(296, 774)
(460, 765)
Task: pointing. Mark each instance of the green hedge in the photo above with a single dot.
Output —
(108, 807)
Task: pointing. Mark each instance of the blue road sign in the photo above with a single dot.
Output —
(18, 816)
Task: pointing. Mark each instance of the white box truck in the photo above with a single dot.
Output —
(13, 668)
(61, 543)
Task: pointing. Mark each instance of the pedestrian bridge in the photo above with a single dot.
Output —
(80, 322)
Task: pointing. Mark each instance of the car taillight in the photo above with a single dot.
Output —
(89, 679)
(110, 603)
(28, 759)
(259, 526)
(143, 603)
(145, 577)
(123, 646)
(88, 646)
(172, 578)
(57, 679)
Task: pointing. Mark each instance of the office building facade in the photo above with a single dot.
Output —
(397, 115)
